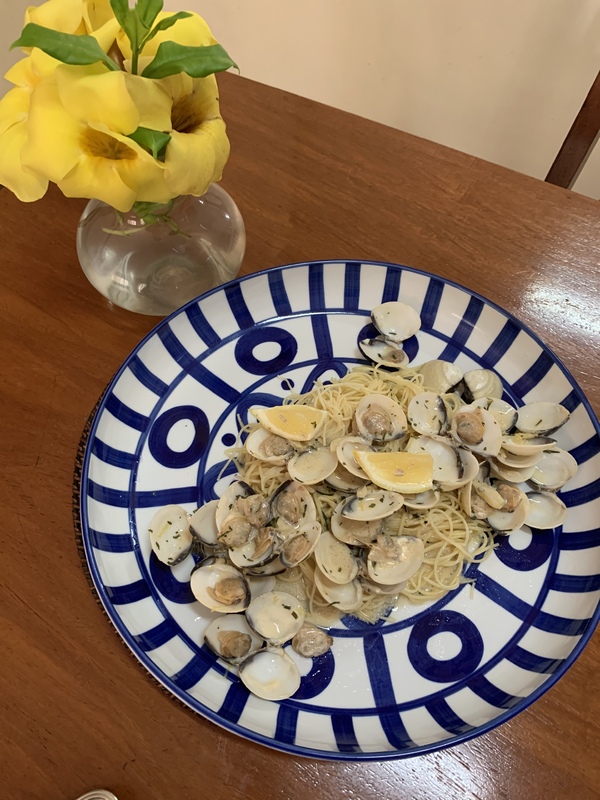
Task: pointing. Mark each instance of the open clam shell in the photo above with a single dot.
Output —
(203, 523)
(334, 559)
(554, 469)
(170, 534)
(541, 418)
(299, 545)
(383, 352)
(220, 587)
(270, 674)
(343, 596)
(379, 418)
(231, 638)
(546, 510)
(481, 383)
(427, 414)
(395, 320)
(394, 559)
(440, 376)
(312, 465)
(269, 447)
(276, 616)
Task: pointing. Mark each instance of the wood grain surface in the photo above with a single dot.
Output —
(77, 711)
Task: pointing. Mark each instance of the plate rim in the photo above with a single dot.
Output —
(183, 696)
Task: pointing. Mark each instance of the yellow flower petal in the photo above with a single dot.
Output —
(60, 15)
(31, 70)
(14, 108)
(96, 13)
(106, 34)
(151, 100)
(93, 94)
(195, 160)
(24, 183)
(98, 178)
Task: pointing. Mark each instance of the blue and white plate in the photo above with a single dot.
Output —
(430, 676)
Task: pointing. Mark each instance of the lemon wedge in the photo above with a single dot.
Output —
(409, 473)
(295, 422)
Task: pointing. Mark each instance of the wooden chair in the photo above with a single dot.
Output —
(580, 141)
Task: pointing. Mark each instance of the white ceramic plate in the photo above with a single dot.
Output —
(429, 676)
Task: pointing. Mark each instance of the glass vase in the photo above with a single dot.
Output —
(154, 264)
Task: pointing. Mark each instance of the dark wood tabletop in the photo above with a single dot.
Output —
(77, 711)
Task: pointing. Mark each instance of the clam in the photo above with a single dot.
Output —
(504, 413)
(292, 505)
(311, 641)
(170, 534)
(236, 531)
(270, 447)
(345, 448)
(256, 552)
(335, 560)
(394, 559)
(270, 674)
(312, 465)
(518, 460)
(267, 569)
(343, 596)
(440, 376)
(203, 524)
(276, 616)
(353, 532)
(383, 352)
(260, 584)
(511, 474)
(396, 321)
(231, 638)
(476, 429)
(513, 514)
(300, 544)
(391, 590)
(522, 444)
(374, 504)
(478, 499)
(427, 414)
(541, 418)
(343, 480)
(380, 419)
(422, 500)
(452, 466)
(546, 510)
(228, 501)
(481, 383)
(555, 468)
(220, 587)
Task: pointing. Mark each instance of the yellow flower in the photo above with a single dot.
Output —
(199, 147)
(77, 135)
(192, 31)
(27, 184)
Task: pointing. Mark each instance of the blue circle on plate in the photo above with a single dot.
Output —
(167, 584)
(445, 670)
(228, 439)
(317, 678)
(249, 341)
(157, 438)
(537, 552)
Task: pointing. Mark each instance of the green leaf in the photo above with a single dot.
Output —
(198, 62)
(149, 10)
(120, 10)
(66, 47)
(166, 23)
(151, 140)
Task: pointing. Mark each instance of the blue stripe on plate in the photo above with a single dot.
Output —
(146, 377)
(586, 450)
(157, 636)
(287, 722)
(201, 325)
(110, 455)
(316, 287)
(575, 583)
(234, 703)
(463, 331)
(571, 401)
(431, 303)
(237, 303)
(501, 344)
(194, 670)
(585, 494)
(322, 336)
(391, 287)
(446, 717)
(536, 372)
(345, 737)
(566, 627)
(580, 540)
(352, 286)
(279, 293)
(165, 497)
(492, 694)
(529, 661)
(125, 414)
(504, 598)
(110, 542)
(128, 593)
(112, 497)
(383, 691)
(193, 367)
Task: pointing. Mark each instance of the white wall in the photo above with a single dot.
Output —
(501, 79)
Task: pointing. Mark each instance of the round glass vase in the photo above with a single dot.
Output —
(154, 263)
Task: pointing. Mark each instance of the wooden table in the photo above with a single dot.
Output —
(77, 710)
